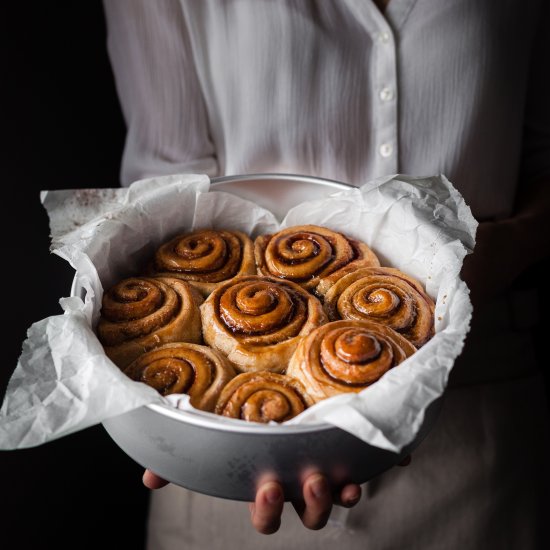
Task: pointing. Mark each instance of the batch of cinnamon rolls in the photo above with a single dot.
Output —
(260, 330)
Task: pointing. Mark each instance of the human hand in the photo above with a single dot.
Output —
(153, 481)
(265, 512)
(314, 510)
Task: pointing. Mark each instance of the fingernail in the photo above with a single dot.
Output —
(352, 501)
(273, 494)
(406, 461)
(319, 487)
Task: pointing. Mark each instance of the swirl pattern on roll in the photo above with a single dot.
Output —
(346, 356)
(385, 295)
(192, 369)
(257, 322)
(263, 397)
(205, 258)
(306, 253)
(140, 313)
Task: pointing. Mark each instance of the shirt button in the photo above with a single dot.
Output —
(384, 37)
(386, 149)
(386, 94)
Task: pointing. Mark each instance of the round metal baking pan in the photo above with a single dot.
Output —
(226, 459)
(278, 192)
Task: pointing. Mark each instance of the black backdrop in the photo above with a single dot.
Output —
(62, 128)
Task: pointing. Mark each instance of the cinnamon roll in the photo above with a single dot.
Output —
(139, 314)
(205, 258)
(346, 356)
(263, 397)
(385, 295)
(306, 253)
(195, 370)
(257, 322)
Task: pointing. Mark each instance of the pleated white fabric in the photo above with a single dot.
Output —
(334, 88)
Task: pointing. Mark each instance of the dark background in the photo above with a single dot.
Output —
(62, 128)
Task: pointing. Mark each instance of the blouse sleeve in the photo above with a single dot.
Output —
(159, 91)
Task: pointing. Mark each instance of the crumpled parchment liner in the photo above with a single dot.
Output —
(64, 383)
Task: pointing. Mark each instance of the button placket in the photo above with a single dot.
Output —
(384, 144)
(384, 37)
(386, 93)
(386, 104)
(385, 98)
(385, 150)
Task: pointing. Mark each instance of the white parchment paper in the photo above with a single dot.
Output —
(64, 382)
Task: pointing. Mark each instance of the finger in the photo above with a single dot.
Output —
(349, 496)
(265, 512)
(317, 504)
(406, 461)
(153, 481)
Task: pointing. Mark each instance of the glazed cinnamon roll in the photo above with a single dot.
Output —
(257, 322)
(205, 258)
(385, 295)
(346, 356)
(263, 397)
(139, 314)
(195, 370)
(306, 253)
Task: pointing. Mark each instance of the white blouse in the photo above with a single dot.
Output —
(335, 88)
